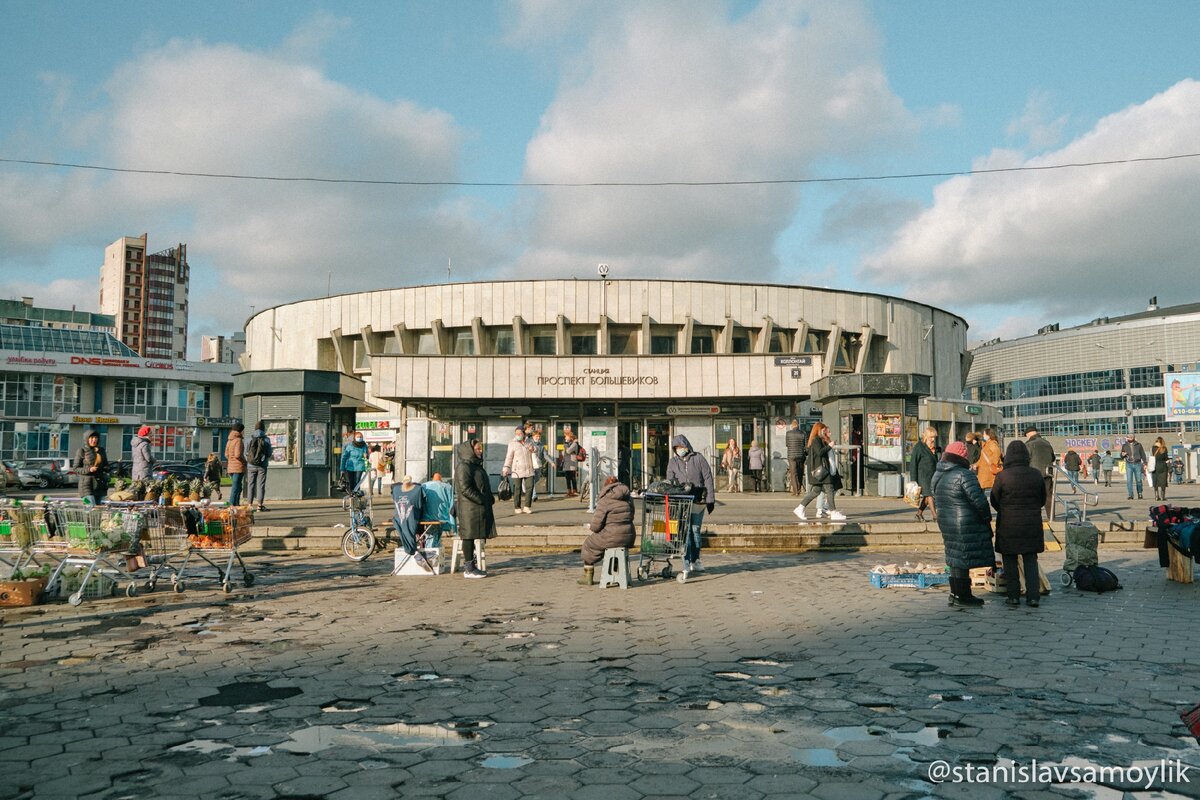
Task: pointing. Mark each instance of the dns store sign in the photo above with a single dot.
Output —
(92, 361)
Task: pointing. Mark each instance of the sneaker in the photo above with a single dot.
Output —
(820, 513)
(800, 513)
(527, 510)
(696, 566)
(263, 508)
(971, 601)
(422, 562)
(837, 516)
(471, 572)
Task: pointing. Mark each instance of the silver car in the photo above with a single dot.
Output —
(66, 474)
(40, 476)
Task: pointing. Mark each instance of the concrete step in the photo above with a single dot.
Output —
(766, 538)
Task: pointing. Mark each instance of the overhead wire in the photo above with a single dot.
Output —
(615, 184)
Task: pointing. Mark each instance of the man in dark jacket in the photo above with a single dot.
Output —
(688, 466)
(476, 518)
(964, 520)
(1072, 463)
(611, 526)
(1018, 496)
(796, 451)
(1041, 458)
(1134, 456)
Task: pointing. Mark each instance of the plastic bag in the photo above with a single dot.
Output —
(504, 489)
(912, 493)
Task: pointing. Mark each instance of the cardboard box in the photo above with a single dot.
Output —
(21, 593)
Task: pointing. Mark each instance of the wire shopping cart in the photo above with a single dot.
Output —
(665, 521)
(15, 537)
(162, 542)
(91, 539)
(214, 533)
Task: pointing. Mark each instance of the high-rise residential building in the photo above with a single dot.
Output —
(222, 349)
(147, 293)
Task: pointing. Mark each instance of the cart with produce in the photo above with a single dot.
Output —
(91, 544)
(665, 521)
(14, 537)
(214, 533)
(162, 545)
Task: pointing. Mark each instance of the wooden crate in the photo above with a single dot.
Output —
(21, 593)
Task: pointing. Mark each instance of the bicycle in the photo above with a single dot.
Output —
(360, 542)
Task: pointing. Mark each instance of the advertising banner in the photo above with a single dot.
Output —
(1182, 401)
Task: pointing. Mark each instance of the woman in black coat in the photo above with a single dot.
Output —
(964, 520)
(476, 519)
(920, 470)
(1018, 495)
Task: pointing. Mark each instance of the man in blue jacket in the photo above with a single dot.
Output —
(688, 466)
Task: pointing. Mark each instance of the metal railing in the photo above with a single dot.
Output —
(1073, 509)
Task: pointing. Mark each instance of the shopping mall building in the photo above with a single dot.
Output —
(1090, 386)
(624, 364)
(57, 382)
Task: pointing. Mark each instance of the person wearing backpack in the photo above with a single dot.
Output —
(1019, 495)
(258, 456)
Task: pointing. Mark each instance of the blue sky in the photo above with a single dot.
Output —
(542, 91)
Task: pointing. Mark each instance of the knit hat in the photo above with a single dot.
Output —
(957, 449)
(144, 430)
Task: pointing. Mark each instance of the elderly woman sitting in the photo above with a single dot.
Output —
(611, 526)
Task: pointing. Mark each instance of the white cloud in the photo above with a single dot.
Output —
(683, 92)
(1087, 238)
(1034, 123)
(83, 295)
(199, 107)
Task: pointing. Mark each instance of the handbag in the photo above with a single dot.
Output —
(504, 489)
(819, 473)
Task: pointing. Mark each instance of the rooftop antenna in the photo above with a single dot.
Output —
(447, 269)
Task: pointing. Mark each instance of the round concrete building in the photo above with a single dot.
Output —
(623, 364)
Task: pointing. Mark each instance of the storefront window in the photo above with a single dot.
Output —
(282, 434)
(33, 395)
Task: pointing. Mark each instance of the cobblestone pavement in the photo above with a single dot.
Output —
(767, 676)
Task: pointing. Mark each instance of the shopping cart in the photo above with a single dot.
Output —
(214, 533)
(14, 537)
(163, 542)
(665, 521)
(91, 538)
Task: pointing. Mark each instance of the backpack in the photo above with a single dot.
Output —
(1096, 579)
(581, 456)
(256, 450)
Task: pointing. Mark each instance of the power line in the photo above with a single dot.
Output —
(586, 184)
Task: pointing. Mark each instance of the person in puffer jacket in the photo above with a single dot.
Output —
(611, 526)
(688, 466)
(965, 521)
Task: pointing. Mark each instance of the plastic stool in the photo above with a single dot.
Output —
(618, 574)
(456, 553)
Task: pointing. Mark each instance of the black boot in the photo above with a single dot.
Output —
(960, 594)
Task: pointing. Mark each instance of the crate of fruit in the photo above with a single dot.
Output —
(912, 580)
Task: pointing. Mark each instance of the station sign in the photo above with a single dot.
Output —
(793, 361)
(216, 422)
(504, 411)
(693, 411)
(99, 419)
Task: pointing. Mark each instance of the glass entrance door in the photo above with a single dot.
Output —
(630, 467)
(656, 449)
(441, 450)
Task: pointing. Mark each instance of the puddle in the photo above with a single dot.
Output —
(501, 761)
(244, 693)
(818, 757)
(913, 666)
(520, 635)
(345, 706)
(951, 698)
(318, 738)
(210, 746)
(371, 763)
(734, 676)
(927, 736)
(1113, 738)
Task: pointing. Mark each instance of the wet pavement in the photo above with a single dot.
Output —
(774, 676)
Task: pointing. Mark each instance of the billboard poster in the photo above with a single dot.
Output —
(1182, 401)
(884, 437)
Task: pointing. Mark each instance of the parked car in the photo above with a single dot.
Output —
(188, 471)
(37, 476)
(62, 466)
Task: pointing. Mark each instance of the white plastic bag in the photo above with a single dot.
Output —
(912, 493)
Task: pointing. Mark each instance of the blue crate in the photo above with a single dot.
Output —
(916, 580)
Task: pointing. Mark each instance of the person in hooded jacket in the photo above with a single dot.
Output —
(611, 526)
(964, 520)
(91, 464)
(235, 463)
(476, 517)
(688, 466)
(143, 459)
(1019, 495)
(355, 461)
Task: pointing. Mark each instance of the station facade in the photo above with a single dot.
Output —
(623, 364)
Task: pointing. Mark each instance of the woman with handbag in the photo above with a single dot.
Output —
(821, 478)
(1162, 466)
(990, 462)
(570, 462)
(920, 471)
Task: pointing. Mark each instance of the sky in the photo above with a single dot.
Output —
(463, 112)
